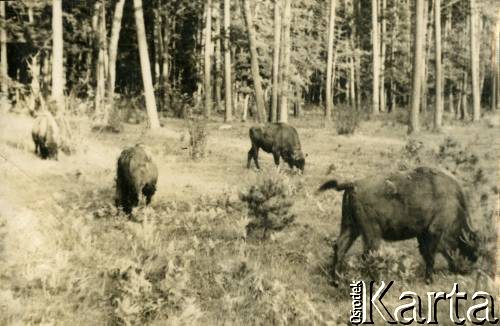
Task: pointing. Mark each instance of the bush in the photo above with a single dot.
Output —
(197, 139)
(346, 119)
(269, 204)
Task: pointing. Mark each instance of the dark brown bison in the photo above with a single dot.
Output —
(280, 139)
(424, 203)
(46, 136)
(136, 173)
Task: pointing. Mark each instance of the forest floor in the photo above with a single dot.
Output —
(67, 256)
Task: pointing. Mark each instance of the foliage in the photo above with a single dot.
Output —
(346, 119)
(269, 203)
(198, 137)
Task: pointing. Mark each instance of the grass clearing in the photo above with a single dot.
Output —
(70, 257)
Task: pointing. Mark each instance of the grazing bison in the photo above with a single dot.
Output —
(46, 136)
(424, 203)
(280, 139)
(136, 173)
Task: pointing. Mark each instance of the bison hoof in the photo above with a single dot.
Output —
(429, 280)
(334, 283)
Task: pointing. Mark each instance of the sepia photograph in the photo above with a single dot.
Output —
(249, 162)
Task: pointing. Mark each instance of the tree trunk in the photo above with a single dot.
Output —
(207, 83)
(113, 49)
(276, 60)
(413, 126)
(383, 49)
(100, 93)
(259, 94)
(286, 47)
(495, 35)
(438, 110)
(376, 58)
(451, 103)
(474, 61)
(227, 62)
(427, 41)
(145, 66)
(245, 107)
(3, 60)
(329, 64)
(218, 59)
(57, 56)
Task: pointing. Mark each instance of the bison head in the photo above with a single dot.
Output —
(299, 160)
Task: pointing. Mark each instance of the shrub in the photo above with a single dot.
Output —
(269, 204)
(197, 139)
(346, 119)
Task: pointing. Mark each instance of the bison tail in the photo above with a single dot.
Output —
(334, 184)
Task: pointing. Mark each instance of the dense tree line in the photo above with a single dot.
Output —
(223, 55)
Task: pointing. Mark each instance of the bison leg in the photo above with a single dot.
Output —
(148, 192)
(428, 244)
(253, 153)
(276, 157)
(344, 242)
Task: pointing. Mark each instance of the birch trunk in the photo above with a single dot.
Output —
(3, 60)
(259, 94)
(276, 59)
(376, 58)
(113, 49)
(286, 47)
(438, 110)
(227, 63)
(145, 66)
(329, 64)
(57, 56)
(207, 83)
(218, 60)
(474, 61)
(417, 67)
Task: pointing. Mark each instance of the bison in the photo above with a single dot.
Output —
(136, 173)
(46, 136)
(424, 203)
(280, 139)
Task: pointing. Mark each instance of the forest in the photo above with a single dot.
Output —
(369, 86)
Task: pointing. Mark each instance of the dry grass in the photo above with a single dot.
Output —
(69, 257)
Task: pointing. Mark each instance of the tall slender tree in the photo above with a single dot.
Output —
(207, 81)
(254, 61)
(3, 59)
(383, 50)
(376, 58)
(418, 51)
(276, 60)
(285, 66)
(113, 49)
(218, 59)
(147, 80)
(227, 63)
(57, 55)
(438, 110)
(329, 62)
(474, 61)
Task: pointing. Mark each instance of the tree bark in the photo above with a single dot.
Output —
(207, 83)
(383, 49)
(3, 60)
(426, 52)
(100, 93)
(259, 94)
(276, 60)
(145, 66)
(113, 49)
(413, 126)
(474, 61)
(57, 55)
(438, 110)
(495, 35)
(227, 63)
(286, 47)
(218, 59)
(329, 64)
(376, 58)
